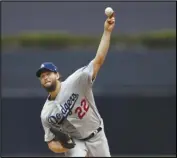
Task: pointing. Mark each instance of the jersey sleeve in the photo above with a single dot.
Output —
(87, 73)
(48, 135)
(82, 77)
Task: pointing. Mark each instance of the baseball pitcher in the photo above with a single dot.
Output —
(70, 118)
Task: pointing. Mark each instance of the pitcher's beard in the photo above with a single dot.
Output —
(52, 87)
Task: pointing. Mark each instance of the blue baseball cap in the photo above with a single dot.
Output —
(47, 66)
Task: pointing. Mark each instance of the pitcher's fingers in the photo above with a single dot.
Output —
(113, 15)
(111, 20)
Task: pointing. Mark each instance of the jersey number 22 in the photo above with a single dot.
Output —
(82, 109)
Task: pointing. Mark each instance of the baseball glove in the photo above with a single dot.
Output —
(65, 140)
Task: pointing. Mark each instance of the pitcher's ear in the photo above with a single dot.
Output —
(58, 75)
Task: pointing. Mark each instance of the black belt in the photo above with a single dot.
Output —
(92, 134)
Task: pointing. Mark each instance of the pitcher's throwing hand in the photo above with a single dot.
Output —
(110, 23)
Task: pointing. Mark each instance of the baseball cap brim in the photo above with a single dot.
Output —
(41, 70)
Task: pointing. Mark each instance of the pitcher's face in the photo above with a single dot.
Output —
(48, 80)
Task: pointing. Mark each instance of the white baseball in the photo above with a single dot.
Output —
(109, 11)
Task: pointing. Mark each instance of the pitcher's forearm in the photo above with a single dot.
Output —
(103, 47)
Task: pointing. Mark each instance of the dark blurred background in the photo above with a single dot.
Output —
(135, 90)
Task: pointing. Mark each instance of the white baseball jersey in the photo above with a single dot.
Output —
(73, 111)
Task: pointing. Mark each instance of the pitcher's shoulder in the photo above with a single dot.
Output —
(75, 75)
